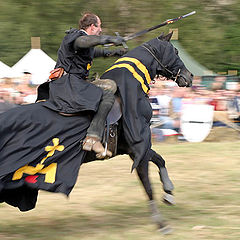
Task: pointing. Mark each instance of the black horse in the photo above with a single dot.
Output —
(41, 149)
(131, 129)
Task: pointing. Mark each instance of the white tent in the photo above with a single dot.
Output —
(6, 71)
(36, 62)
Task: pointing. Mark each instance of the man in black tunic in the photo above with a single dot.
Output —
(71, 93)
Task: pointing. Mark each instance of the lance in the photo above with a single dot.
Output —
(169, 21)
(129, 37)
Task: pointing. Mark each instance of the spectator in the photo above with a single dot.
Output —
(6, 101)
(171, 108)
(218, 100)
(203, 96)
(235, 107)
(191, 96)
(176, 103)
(221, 113)
(219, 83)
(160, 97)
(155, 90)
(197, 83)
(26, 89)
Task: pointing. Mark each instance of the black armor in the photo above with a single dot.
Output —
(72, 93)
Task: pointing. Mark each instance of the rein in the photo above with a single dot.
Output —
(151, 51)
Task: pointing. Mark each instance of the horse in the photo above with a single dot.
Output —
(41, 149)
(133, 73)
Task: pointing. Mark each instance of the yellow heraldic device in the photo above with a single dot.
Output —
(49, 171)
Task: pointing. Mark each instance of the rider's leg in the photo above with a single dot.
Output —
(96, 129)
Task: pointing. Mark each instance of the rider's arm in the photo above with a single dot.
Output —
(102, 52)
(94, 40)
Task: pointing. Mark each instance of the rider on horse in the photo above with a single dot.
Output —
(72, 93)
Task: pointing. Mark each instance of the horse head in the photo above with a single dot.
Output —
(169, 64)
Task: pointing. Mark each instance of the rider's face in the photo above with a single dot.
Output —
(96, 29)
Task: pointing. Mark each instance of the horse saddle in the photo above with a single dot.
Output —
(111, 130)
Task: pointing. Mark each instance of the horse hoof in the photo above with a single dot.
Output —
(166, 230)
(168, 199)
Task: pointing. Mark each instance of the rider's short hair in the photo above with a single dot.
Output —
(87, 20)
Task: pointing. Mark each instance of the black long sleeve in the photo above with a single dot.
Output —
(94, 40)
(103, 52)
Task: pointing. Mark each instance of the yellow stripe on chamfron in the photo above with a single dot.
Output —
(132, 70)
(139, 65)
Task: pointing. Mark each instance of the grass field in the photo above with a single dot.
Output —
(109, 203)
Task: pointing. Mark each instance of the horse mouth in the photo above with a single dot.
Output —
(185, 79)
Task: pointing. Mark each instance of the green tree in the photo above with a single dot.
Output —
(211, 36)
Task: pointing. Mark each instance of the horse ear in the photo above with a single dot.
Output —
(161, 37)
(168, 36)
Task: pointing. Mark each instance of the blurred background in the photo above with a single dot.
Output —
(211, 36)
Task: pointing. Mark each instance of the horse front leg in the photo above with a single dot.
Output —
(142, 171)
(163, 173)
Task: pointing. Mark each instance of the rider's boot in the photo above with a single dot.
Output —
(167, 186)
(94, 144)
(95, 131)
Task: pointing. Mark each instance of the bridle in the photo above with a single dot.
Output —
(170, 73)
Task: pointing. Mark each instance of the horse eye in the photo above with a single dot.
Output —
(176, 51)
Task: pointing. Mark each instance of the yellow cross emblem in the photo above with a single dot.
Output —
(49, 171)
(51, 149)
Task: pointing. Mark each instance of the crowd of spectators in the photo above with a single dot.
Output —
(167, 101)
(16, 92)
(166, 98)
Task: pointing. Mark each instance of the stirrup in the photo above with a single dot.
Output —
(104, 155)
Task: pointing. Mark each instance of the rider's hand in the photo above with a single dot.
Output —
(120, 51)
(118, 40)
